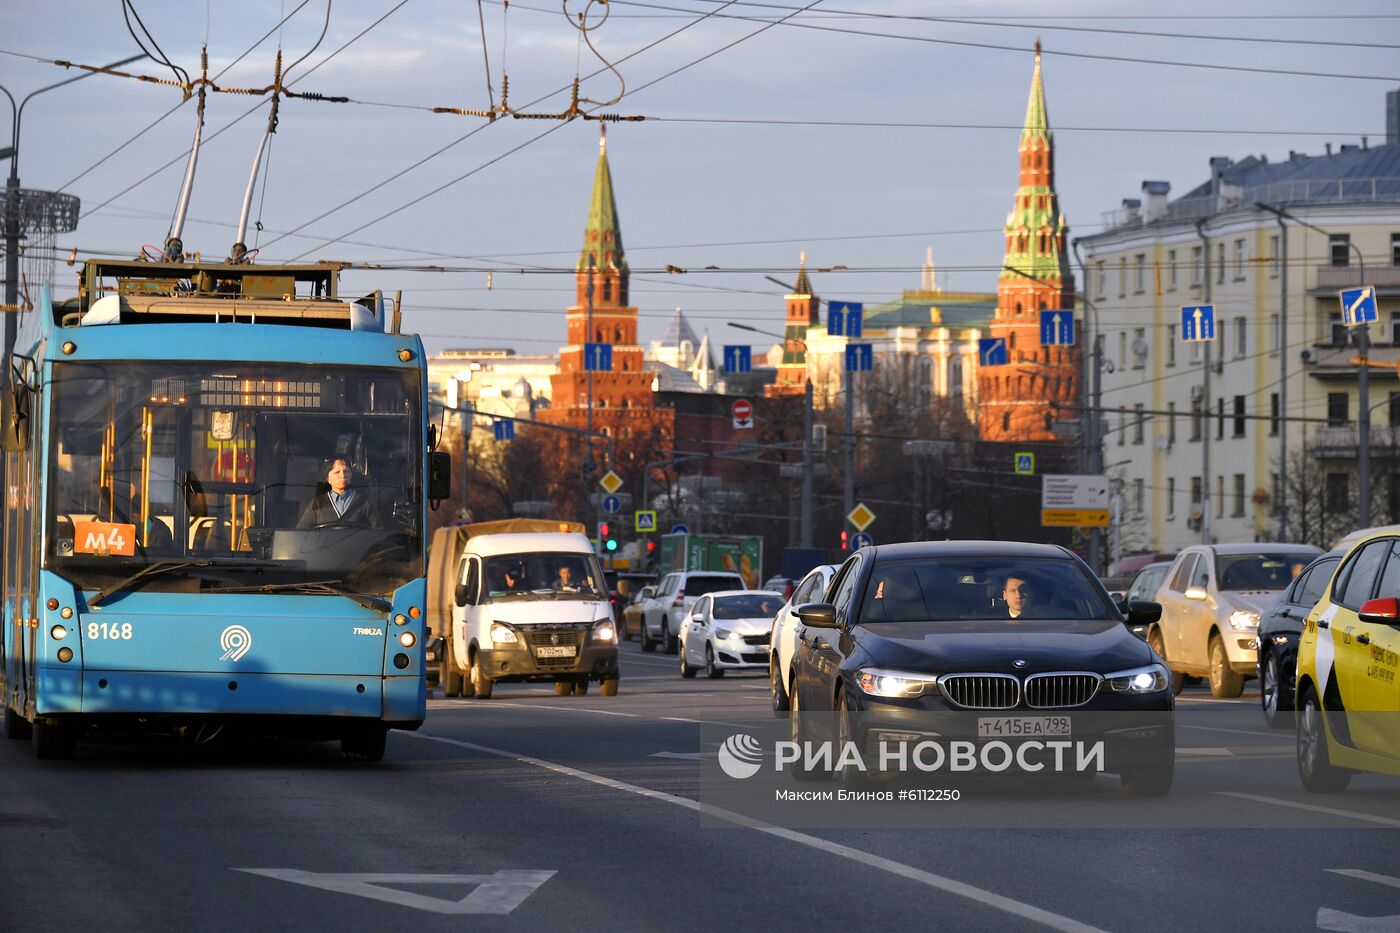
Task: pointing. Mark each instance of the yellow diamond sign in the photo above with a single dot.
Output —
(610, 482)
(861, 517)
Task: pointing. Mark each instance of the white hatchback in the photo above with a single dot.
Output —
(812, 589)
(728, 630)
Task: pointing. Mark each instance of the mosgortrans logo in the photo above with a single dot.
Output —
(741, 756)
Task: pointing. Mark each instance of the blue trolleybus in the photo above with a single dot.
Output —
(182, 552)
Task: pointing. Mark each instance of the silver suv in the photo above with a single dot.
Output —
(1211, 603)
(665, 613)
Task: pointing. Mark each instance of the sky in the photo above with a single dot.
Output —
(748, 155)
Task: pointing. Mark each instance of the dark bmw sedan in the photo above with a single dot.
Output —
(990, 643)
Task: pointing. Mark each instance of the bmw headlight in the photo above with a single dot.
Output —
(1140, 680)
(880, 682)
(503, 634)
(1244, 620)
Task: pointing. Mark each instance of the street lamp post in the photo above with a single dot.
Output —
(1363, 375)
(805, 528)
(12, 213)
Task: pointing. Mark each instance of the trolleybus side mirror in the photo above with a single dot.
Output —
(14, 418)
(439, 475)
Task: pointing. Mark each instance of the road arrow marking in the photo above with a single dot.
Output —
(1366, 876)
(1293, 804)
(494, 894)
(1329, 919)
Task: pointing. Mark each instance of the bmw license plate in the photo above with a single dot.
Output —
(556, 651)
(1011, 727)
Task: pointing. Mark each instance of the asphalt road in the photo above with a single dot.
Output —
(531, 811)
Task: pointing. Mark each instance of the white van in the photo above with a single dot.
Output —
(529, 603)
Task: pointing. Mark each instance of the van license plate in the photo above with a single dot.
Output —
(556, 651)
(1004, 727)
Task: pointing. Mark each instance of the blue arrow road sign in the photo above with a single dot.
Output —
(597, 357)
(504, 430)
(679, 529)
(1056, 328)
(612, 505)
(843, 318)
(1359, 306)
(991, 351)
(861, 540)
(1197, 323)
(738, 359)
(860, 357)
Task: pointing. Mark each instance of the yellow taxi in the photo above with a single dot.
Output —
(1348, 694)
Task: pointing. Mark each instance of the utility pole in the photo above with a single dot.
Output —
(1205, 390)
(1091, 382)
(848, 486)
(589, 468)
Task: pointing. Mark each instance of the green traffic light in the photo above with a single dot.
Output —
(611, 545)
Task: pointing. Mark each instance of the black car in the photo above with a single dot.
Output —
(1279, 628)
(984, 640)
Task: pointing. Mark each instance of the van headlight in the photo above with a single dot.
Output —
(603, 632)
(503, 634)
(880, 682)
(1140, 680)
(1244, 620)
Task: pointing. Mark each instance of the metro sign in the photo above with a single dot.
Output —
(105, 538)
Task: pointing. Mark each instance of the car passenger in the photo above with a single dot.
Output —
(1018, 594)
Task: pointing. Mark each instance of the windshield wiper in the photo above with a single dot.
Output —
(330, 587)
(150, 570)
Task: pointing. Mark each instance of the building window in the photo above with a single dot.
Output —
(1337, 334)
(1139, 419)
(1274, 413)
(1219, 263)
(1171, 498)
(1239, 259)
(1196, 418)
(1277, 263)
(1122, 276)
(1275, 500)
(1171, 344)
(1220, 419)
(1395, 409)
(1195, 490)
(1239, 495)
(1197, 266)
(1338, 408)
(1005, 422)
(1239, 416)
(1171, 423)
(1395, 249)
(1220, 496)
(1274, 335)
(1339, 247)
(1395, 328)
(1241, 336)
(1122, 428)
(1171, 270)
(1122, 349)
(1139, 273)
(1139, 494)
(1338, 491)
(607, 289)
(1139, 341)
(1102, 277)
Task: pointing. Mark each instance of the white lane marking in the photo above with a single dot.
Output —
(1329, 919)
(1366, 876)
(1204, 753)
(1244, 700)
(938, 882)
(1331, 811)
(683, 756)
(494, 894)
(1270, 735)
(487, 704)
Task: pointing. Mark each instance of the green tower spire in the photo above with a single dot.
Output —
(602, 238)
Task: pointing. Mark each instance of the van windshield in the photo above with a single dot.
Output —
(551, 574)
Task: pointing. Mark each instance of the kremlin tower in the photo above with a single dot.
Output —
(1014, 401)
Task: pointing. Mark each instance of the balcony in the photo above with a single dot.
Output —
(1332, 278)
(1340, 442)
(1331, 361)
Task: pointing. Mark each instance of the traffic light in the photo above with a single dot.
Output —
(845, 539)
(651, 545)
(607, 537)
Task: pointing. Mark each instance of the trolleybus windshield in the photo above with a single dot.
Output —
(229, 466)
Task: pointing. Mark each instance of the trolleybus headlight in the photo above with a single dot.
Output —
(58, 633)
(407, 639)
(400, 619)
(67, 612)
(65, 654)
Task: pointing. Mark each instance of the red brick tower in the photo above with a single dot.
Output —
(622, 394)
(803, 311)
(1014, 400)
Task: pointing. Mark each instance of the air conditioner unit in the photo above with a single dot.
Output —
(1197, 392)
